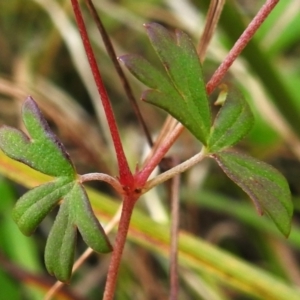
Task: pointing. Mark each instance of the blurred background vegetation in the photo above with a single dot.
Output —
(226, 250)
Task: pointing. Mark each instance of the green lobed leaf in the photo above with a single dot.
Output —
(34, 205)
(75, 212)
(181, 90)
(267, 188)
(232, 123)
(42, 151)
(45, 153)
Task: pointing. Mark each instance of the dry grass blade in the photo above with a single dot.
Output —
(213, 15)
(174, 196)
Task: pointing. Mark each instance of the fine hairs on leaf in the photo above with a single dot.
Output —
(180, 91)
(44, 152)
(175, 92)
(233, 121)
(267, 188)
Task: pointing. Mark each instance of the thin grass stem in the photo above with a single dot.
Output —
(174, 195)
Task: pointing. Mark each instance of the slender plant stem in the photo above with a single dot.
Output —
(112, 54)
(240, 44)
(176, 170)
(128, 205)
(168, 126)
(108, 228)
(126, 177)
(143, 175)
(174, 195)
(103, 177)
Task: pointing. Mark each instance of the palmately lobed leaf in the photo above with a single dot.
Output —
(232, 123)
(267, 188)
(180, 59)
(45, 153)
(42, 151)
(180, 91)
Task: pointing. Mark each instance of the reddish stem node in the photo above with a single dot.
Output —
(126, 178)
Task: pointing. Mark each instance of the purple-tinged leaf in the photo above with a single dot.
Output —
(232, 123)
(267, 188)
(42, 150)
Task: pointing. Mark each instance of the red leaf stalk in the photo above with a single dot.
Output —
(143, 175)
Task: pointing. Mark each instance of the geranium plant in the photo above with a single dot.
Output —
(179, 89)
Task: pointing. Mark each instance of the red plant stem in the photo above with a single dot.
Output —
(143, 175)
(112, 54)
(240, 44)
(128, 205)
(126, 177)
